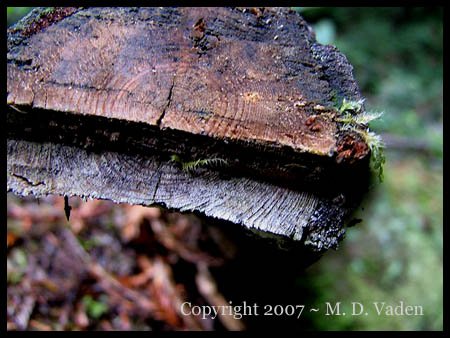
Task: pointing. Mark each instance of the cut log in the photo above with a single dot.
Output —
(229, 113)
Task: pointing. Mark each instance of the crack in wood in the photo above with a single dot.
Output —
(169, 100)
(157, 182)
(28, 181)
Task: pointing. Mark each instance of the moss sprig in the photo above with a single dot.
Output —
(352, 116)
(191, 166)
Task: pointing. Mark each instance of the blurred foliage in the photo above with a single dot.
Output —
(396, 254)
(16, 13)
(95, 308)
(16, 266)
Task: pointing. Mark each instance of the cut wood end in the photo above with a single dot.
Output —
(233, 83)
(113, 93)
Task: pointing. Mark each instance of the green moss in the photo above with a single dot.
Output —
(352, 116)
(47, 10)
(190, 166)
(351, 106)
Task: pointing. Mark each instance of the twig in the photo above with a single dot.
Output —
(23, 313)
(168, 296)
(406, 143)
(208, 289)
(189, 254)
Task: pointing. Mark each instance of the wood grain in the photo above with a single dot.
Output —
(285, 214)
(99, 99)
(243, 77)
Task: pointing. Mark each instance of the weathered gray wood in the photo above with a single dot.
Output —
(49, 168)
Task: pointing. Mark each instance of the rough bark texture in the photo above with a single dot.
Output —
(101, 98)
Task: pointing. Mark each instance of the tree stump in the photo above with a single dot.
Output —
(226, 112)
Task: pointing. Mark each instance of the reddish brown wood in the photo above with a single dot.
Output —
(210, 71)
